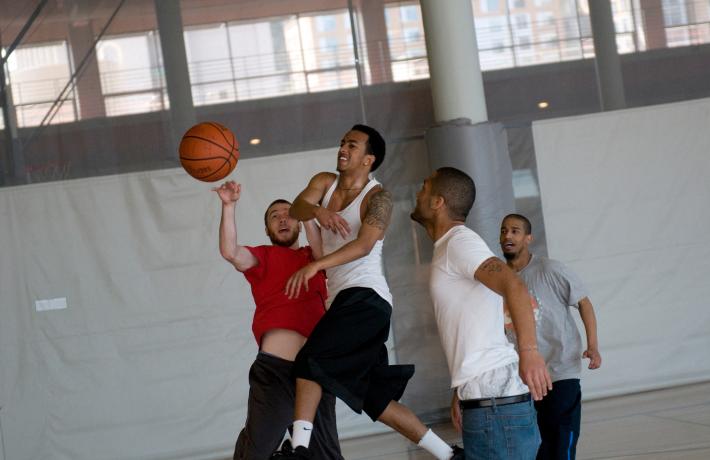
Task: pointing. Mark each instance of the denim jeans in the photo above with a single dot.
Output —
(501, 432)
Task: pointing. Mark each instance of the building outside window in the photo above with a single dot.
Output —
(405, 36)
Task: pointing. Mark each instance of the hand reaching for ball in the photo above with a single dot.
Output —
(229, 192)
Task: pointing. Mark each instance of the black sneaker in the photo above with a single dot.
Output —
(289, 453)
(286, 450)
(458, 453)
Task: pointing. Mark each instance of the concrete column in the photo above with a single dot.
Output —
(88, 87)
(462, 137)
(378, 50)
(452, 51)
(654, 27)
(177, 77)
(12, 165)
(608, 65)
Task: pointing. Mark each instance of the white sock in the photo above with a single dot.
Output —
(436, 446)
(302, 430)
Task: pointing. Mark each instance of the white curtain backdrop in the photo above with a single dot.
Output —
(625, 198)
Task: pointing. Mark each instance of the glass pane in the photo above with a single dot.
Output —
(331, 80)
(405, 36)
(413, 69)
(208, 56)
(327, 44)
(214, 93)
(134, 103)
(129, 64)
(38, 74)
(270, 49)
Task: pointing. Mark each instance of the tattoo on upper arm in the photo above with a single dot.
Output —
(379, 210)
(492, 265)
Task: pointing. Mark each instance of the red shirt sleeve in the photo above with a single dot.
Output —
(257, 272)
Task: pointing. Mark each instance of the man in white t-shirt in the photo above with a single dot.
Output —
(491, 403)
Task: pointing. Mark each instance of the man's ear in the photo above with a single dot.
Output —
(369, 159)
(437, 202)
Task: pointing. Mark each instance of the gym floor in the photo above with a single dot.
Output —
(657, 425)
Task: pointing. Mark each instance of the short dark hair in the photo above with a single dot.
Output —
(375, 144)
(276, 201)
(458, 190)
(527, 226)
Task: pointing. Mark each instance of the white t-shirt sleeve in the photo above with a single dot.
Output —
(466, 252)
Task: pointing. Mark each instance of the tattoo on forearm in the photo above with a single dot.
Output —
(492, 265)
(379, 210)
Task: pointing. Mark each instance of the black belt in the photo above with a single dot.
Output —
(490, 402)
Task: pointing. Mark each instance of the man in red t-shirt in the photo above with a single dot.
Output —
(281, 326)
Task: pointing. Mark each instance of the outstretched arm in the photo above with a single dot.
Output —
(586, 311)
(306, 205)
(374, 225)
(498, 277)
(314, 239)
(233, 252)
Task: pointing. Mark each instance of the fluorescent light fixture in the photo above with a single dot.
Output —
(255, 141)
(543, 104)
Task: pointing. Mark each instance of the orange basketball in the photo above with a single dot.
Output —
(209, 151)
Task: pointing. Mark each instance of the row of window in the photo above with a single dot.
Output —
(311, 53)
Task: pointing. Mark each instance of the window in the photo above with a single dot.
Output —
(410, 13)
(325, 23)
(131, 74)
(675, 12)
(521, 21)
(209, 63)
(490, 6)
(38, 74)
(332, 49)
(405, 37)
(266, 57)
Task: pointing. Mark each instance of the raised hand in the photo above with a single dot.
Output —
(229, 192)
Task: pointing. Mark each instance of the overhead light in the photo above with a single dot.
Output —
(543, 104)
(255, 141)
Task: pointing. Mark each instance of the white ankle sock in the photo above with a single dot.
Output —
(436, 446)
(302, 430)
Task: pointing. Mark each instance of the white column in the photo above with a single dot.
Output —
(609, 77)
(455, 73)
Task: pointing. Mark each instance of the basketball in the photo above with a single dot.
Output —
(209, 151)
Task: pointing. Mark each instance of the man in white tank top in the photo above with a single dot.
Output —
(491, 403)
(345, 354)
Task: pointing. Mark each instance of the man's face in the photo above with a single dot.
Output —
(423, 212)
(281, 228)
(352, 153)
(513, 238)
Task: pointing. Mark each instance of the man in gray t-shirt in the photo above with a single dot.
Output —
(555, 292)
